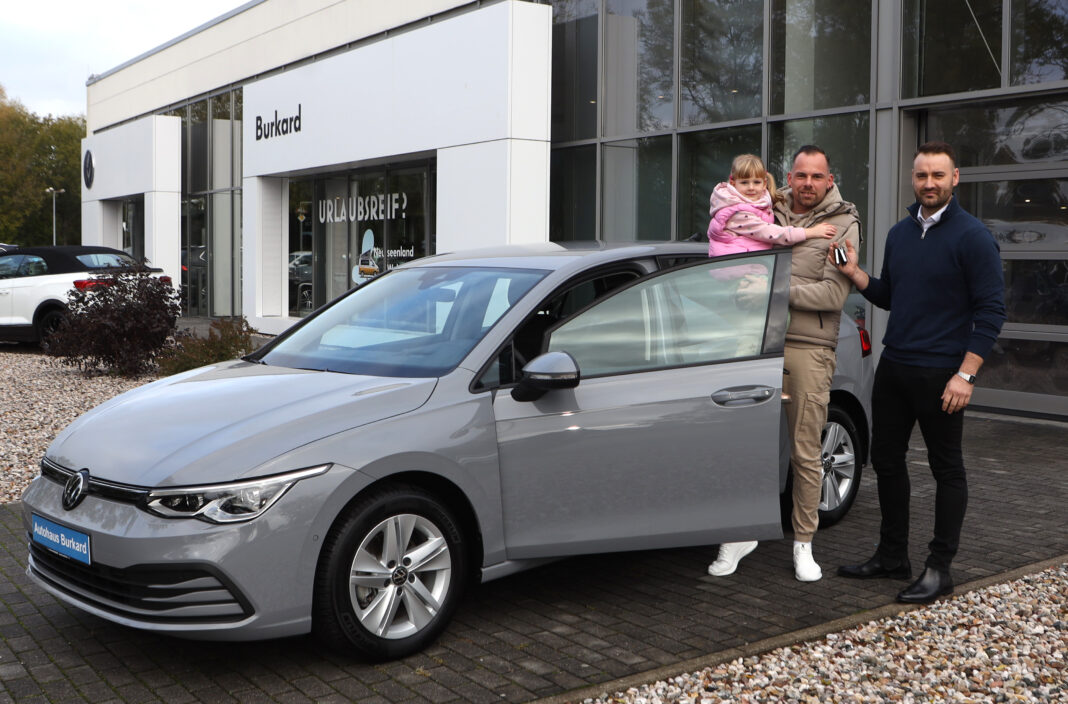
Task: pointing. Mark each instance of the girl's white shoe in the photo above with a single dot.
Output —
(730, 554)
(805, 568)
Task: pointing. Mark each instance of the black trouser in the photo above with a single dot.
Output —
(902, 395)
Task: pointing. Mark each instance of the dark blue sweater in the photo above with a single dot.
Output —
(944, 291)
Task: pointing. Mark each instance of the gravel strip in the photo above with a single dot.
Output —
(1004, 643)
(38, 398)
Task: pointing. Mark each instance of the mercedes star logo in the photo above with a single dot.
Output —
(75, 489)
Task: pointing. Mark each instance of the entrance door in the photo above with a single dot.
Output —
(671, 437)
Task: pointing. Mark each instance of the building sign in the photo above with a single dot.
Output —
(277, 127)
(384, 206)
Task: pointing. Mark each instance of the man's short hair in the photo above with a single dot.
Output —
(935, 147)
(811, 150)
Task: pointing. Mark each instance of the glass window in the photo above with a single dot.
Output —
(820, 54)
(1036, 291)
(639, 66)
(1035, 366)
(194, 255)
(301, 240)
(33, 265)
(950, 47)
(1020, 132)
(418, 322)
(198, 147)
(221, 142)
(705, 160)
(97, 260)
(1039, 32)
(133, 227)
(9, 265)
(722, 62)
(636, 201)
(222, 254)
(709, 312)
(573, 196)
(574, 81)
(1026, 216)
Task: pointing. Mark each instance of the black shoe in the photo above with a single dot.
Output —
(931, 585)
(877, 567)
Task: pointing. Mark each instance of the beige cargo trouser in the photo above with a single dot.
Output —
(809, 385)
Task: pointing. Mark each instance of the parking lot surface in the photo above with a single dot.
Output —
(569, 625)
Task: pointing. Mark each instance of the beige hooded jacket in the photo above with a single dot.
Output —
(817, 289)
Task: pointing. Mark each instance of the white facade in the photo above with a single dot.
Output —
(469, 88)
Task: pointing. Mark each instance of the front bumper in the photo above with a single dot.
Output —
(186, 577)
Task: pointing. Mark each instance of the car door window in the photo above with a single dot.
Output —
(33, 265)
(713, 311)
(529, 339)
(9, 265)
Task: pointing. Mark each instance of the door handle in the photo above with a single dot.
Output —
(742, 395)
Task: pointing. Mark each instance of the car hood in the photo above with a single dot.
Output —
(221, 423)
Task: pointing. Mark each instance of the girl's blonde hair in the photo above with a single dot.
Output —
(750, 166)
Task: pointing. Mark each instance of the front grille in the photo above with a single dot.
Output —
(125, 493)
(156, 593)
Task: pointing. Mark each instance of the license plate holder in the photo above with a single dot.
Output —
(62, 540)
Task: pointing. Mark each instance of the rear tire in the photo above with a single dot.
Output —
(48, 323)
(390, 575)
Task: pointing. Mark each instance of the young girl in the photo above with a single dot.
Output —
(742, 220)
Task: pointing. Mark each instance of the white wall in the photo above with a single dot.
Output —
(473, 88)
(141, 157)
(251, 40)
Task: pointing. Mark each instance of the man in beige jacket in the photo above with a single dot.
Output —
(817, 293)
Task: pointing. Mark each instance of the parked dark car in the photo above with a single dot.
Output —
(35, 281)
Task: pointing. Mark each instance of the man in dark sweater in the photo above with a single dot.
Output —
(942, 283)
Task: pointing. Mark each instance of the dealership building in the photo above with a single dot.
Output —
(278, 155)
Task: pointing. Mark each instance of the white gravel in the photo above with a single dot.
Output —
(1004, 643)
(38, 398)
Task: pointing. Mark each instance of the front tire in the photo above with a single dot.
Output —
(390, 575)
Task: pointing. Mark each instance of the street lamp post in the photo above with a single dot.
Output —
(54, 192)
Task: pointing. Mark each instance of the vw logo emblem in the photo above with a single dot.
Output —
(75, 489)
(88, 169)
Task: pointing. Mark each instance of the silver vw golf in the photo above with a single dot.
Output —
(462, 417)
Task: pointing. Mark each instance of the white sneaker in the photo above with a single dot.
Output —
(729, 556)
(805, 568)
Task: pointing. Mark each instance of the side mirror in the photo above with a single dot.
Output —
(552, 370)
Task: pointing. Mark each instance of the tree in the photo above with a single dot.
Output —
(38, 153)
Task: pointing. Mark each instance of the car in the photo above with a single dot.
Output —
(35, 281)
(460, 417)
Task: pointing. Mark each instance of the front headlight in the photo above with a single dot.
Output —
(226, 503)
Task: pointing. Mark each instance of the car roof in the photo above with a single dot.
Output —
(62, 258)
(554, 256)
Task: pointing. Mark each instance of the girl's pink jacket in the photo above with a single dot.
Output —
(741, 225)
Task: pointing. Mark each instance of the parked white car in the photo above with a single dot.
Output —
(35, 281)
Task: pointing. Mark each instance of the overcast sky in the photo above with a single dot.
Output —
(48, 48)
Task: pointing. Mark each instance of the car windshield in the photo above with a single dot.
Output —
(105, 260)
(409, 323)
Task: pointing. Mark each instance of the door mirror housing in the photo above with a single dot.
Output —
(552, 370)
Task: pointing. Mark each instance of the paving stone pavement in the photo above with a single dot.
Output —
(575, 623)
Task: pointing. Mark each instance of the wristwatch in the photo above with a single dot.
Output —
(970, 378)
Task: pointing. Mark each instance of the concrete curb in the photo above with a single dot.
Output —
(787, 639)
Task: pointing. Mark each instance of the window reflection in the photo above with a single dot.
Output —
(722, 60)
(1023, 216)
(1039, 32)
(1035, 366)
(705, 160)
(639, 56)
(1036, 292)
(820, 54)
(637, 190)
(950, 47)
(574, 70)
(1017, 133)
(573, 197)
